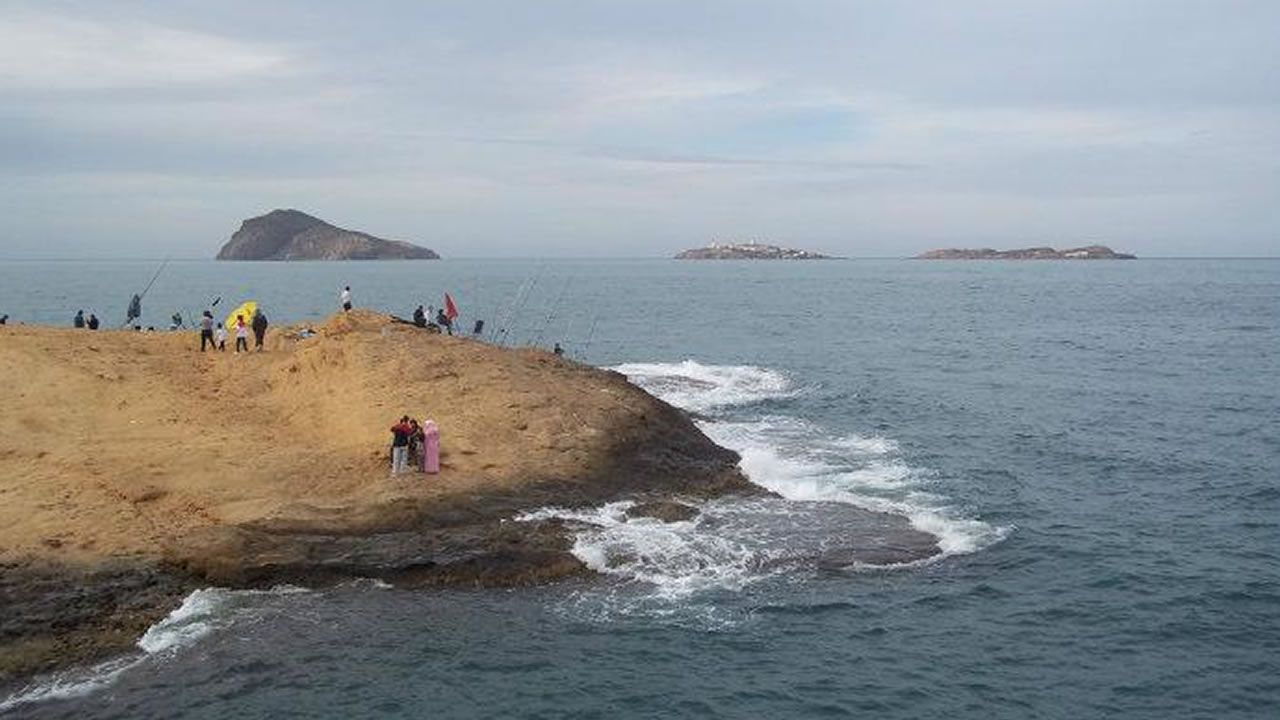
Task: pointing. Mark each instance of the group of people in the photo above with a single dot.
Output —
(214, 335)
(422, 318)
(414, 445)
(80, 322)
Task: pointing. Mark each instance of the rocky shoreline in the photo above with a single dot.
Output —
(103, 537)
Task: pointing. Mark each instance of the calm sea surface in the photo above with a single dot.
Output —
(1097, 446)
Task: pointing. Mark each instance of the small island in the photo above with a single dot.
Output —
(1089, 252)
(295, 235)
(748, 251)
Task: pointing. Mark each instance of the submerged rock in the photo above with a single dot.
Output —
(664, 510)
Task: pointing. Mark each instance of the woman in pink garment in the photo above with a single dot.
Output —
(430, 447)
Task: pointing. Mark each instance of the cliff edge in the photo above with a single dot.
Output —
(134, 468)
(295, 235)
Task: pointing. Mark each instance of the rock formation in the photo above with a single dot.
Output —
(748, 251)
(134, 468)
(1090, 252)
(294, 235)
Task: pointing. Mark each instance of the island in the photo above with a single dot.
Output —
(136, 470)
(748, 251)
(1089, 252)
(295, 235)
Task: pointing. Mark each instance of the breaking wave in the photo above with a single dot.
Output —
(200, 613)
(736, 542)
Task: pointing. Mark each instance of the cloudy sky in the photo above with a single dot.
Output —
(863, 127)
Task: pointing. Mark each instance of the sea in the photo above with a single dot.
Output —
(1096, 446)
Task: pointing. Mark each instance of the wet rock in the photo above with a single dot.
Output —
(664, 510)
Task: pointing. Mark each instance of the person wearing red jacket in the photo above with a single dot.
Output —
(400, 445)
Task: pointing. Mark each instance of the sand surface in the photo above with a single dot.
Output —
(128, 445)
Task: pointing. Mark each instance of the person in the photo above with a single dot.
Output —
(346, 298)
(4, 319)
(479, 328)
(175, 321)
(220, 338)
(421, 438)
(135, 309)
(558, 350)
(415, 443)
(78, 320)
(443, 321)
(399, 445)
(259, 328)
(420, 317)
(206, 330)
(242, 334)
(93, 321)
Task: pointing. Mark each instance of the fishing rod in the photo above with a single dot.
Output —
(520, 308)
(590, 336)
(499, 321)
(138, 304)
(517, 306)
(551, 312)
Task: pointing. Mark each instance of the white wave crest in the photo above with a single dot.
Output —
(676, 558)
(200, 613)
(700, 388)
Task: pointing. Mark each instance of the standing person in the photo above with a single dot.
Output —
(93, 321)
(242, 334)
(415, 442)
(78, 320)
(206, 330)
(259, 328)
(399, 445)
(220, 338)
(346, 298)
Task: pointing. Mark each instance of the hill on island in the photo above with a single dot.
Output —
(295, 235)
(748, 251)
(1089, 252)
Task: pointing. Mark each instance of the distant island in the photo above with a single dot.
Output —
(1090, 252)
(295, 235)
(748, 251)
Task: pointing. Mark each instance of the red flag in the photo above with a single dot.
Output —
(450, 310)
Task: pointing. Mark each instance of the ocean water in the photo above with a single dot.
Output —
(1096, 446)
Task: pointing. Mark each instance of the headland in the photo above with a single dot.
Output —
(134, 468)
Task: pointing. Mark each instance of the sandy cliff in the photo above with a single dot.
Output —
(133, 467)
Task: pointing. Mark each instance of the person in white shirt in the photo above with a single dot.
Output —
(346, 298)
(220, 338)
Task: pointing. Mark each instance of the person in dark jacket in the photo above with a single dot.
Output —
(259, 328)
(93, 321)
(78, 320)
(206, 331)
(400, 445)
(420, 317)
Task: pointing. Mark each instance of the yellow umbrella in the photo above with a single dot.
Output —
(246, 309)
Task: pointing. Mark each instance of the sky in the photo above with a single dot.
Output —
(866, 128)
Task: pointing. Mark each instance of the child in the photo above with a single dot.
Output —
(242, 334)
(220, 338)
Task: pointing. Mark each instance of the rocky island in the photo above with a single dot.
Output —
(135, 469)
(1089, 252)
(295, 235)
(748, 251)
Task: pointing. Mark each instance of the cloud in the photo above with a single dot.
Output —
(54, 52)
